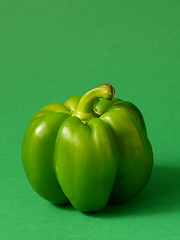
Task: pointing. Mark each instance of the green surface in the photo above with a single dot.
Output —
(51, 50)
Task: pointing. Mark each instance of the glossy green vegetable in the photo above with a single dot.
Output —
(91, 150)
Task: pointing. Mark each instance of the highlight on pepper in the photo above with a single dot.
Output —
(90, 151)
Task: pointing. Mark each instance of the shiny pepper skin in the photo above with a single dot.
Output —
(89, 151)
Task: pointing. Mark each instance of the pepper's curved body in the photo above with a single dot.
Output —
(88, 151)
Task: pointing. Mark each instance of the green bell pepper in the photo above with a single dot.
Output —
(91, 151)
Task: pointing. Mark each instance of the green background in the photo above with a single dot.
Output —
(51, 50)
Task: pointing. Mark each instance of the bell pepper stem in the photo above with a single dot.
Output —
(84, 109)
